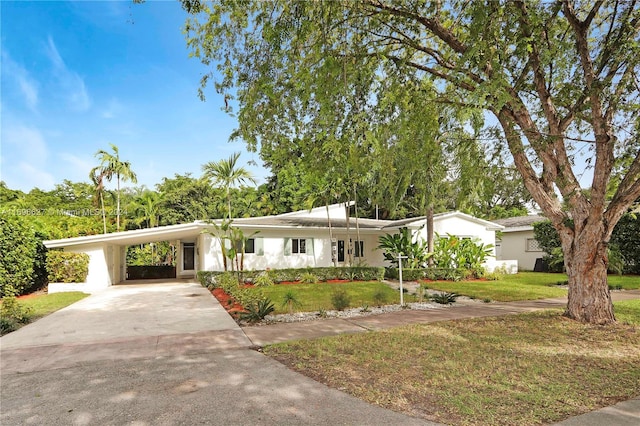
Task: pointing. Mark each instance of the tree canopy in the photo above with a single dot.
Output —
(560, 78)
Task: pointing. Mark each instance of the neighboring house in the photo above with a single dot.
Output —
(291, 240)
(517, 241)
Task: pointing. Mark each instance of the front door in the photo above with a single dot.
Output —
(340, 250)
(188, 257)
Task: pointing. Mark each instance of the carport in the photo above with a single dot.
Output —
(107, 252)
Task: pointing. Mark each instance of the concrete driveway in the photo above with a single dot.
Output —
(159, 354)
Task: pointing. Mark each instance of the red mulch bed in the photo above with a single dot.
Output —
(233, 308)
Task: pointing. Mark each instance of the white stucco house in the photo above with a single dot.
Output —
(517, 241)
(290, 240)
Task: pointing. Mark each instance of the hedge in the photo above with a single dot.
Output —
(445, 274)
(21, 257)
(65, 267)
(354, 273)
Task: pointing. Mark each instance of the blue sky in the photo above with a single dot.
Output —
(77, 76)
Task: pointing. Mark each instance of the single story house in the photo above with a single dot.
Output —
(517, 242)
(291, 240)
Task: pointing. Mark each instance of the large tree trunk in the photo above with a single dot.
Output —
(585, 257)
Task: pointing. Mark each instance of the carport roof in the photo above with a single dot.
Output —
(138, 236)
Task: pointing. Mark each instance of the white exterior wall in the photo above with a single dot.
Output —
(514, 246)
(99, 276)
(461, 228)
(372, 256)
(274, 249)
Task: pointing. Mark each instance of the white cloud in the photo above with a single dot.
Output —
(24, 157)
(34, 177)
(70, 81)
(28, 86)
(80, 166)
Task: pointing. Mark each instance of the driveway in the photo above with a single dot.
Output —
(160, 354)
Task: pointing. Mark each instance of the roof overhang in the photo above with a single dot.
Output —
(138, 236)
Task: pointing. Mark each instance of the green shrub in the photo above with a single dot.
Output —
(434, 274)
(13, 313)
(290, 301)
(444, 298)
(340, 299)
(257, 310)
(357, 273)
(625, 238)
(19, 254)
(7, 325)
(263, 279)
(308, 278)
(461, 253)
(66, 267)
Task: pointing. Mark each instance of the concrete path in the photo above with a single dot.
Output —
(280, 332)
(162, 354)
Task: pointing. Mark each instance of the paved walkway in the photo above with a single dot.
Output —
(280, 332)
(169, 354)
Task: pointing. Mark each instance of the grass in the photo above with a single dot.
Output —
(313, 297)
(626, 282)
(627, 311)
(522, 286)
(45, 304)
(522, 369)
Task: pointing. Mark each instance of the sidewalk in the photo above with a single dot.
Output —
(281, 332)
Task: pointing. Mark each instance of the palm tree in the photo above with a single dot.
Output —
(226, 173)
(97, 176)
(111, 165)
(147, 205)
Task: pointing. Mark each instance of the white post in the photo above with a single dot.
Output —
(400, 257)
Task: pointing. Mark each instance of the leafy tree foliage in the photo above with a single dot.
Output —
(227, 173)
(19, 256)
(112, 166)
(560, 78)
(187, 199)
(623, 247)
(626, 237)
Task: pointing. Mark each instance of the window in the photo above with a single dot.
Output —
(250, 246)
(359, 248)
(298, 246)
(253, 246)
(532, 245)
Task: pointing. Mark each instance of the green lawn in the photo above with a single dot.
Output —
(45, 304)
(313, 297)
(522, 286)
(627, 282)
(627, 311)
(529, 369)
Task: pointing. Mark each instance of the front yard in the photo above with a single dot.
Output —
(523, 286)
(520, 369)
(33, 307)
(315, 297)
